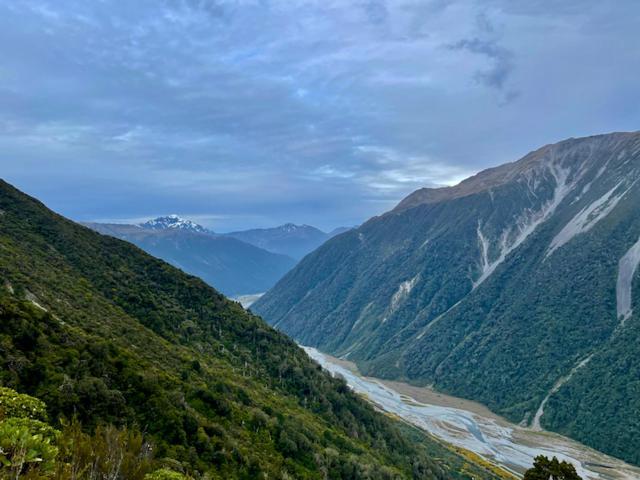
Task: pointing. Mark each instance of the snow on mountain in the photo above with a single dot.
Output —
(174, 222)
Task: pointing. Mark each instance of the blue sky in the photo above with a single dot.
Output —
(254, 113)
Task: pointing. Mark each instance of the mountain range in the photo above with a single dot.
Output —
(239, 264)
(289, 239)
(230, 265)
(517, 288)
(108, 335)
(174, 222)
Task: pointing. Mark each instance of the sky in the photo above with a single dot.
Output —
(241, 114)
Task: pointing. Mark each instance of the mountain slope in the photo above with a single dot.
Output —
(515, 288)
(102, 331)
(289, 239)
(231, 266)
(174, 222)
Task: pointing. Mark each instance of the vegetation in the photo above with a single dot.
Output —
(33, 449)
(230, 265)
(397, 294)
(121, 343)
(545, 469)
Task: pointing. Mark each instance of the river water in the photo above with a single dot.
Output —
(505, 444)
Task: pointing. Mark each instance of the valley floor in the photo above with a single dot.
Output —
(472, 426)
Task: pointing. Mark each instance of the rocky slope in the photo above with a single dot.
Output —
(514, 288)
(230, 265)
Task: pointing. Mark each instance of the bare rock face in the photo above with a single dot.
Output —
(496, 289)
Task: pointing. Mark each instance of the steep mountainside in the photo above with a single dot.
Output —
(100, 330)
(516, 287)
(230, 265)
(289, 239)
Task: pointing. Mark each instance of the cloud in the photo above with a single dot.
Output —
(497, 75)
(315, 111)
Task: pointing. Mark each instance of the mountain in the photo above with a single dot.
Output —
(230, 265)
(105, 333)
(293, 240)
(517, 288)
(338, 231)
(174, 222)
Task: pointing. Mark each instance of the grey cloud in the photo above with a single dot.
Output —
(313, 111)
(497, 75)
(377, 11)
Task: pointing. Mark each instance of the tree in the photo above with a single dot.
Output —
(545, 469)
(165, 474)
(26, 442)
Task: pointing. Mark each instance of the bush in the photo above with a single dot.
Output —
(164, 474)
(545, 469)
(14, 404)
(32, 449)
(26, 448)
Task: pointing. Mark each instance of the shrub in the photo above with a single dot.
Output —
(26, 448)
(165, 474)
(14, 404)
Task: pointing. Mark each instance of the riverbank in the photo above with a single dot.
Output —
(473, 427)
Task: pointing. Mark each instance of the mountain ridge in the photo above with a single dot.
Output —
(474, 288)
(232, 266)
(287, 239)
(105, 333)
(493, 176)
(174, 222)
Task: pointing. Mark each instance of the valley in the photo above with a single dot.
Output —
(319, 240)
(473, 427)
(515, 288)
(106, 335)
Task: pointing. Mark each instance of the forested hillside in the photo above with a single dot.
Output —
(516, 288)
(108, 335)
(229, 265)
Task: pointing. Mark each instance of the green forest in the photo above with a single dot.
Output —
(119, 344)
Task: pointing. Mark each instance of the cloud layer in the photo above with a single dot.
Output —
(250, 113)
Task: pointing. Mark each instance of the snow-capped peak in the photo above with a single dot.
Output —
(174, 222)
(292, 227)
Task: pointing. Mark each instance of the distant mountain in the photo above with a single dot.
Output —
(289, 239)
(108, 335)
(174, 222)
(519, 288)
(230, 265)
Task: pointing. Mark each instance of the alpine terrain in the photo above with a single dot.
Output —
(518, 288)
(230, 265)
(114, 339)
(288, 239)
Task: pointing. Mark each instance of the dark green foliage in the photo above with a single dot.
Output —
(31, 449)
(545, 469)
(108, 335)
(399, 294)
